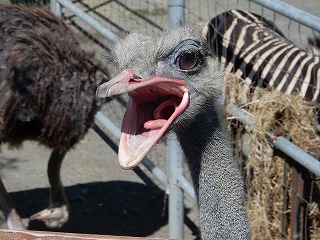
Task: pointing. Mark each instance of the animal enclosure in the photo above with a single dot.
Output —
(283, 198)
(151, 21)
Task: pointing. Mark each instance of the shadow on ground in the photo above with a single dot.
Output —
(110, 208)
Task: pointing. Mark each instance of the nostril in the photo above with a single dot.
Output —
(135, 76)
(135, 79)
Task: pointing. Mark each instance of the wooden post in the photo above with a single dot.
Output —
(36, 235)
(298, 209)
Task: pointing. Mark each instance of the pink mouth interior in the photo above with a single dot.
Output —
(153, 108)
(150, 113)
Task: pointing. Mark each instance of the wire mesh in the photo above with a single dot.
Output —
(122, 17)
(290, 217)
(297, 213)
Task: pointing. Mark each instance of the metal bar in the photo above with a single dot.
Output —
(55, 7)
(156, 171)
(107, 123)
(187, 187)
(176, 204)
(175, 157)
(298, 155)
(240, 114)
(100, 15)
(291, 12)
(176, 13)
(89, 20)
(287, 147)
(183, 183)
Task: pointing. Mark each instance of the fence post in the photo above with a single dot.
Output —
(89, 20)
(175, 156)
(291, 12)
(298, 206)
(176, 12)
(55, 7)
(176, 204)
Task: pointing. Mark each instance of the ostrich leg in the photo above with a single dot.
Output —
(12, 217)
(58, 212)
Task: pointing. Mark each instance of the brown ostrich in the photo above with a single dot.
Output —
(47, 94)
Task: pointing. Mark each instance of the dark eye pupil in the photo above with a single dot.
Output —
(187, 61)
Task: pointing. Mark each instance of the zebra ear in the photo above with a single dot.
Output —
(204, 41)
(313, 45)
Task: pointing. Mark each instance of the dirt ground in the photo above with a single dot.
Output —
(103, 198)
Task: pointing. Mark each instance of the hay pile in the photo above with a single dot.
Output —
(267, 174)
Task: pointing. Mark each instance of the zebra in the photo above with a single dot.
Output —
(313, 45)
(255, 50)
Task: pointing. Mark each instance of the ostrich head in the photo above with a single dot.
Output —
(168, 79)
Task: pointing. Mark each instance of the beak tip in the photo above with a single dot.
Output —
(102, 92)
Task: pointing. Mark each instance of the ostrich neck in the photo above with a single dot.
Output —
(217, 181)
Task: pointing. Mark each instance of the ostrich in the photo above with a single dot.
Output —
(47, 94)
(172, 84)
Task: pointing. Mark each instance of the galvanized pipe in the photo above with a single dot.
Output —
(175, 159)
(108, 124)
(176, 13)
(298, 155)
(89, 20)
(156, 171)
(291, 12)
(55, 7)
(241, 115)
(176, 204)
(187, 187)
(281, 143)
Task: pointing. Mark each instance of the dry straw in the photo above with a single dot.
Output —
(267, 174)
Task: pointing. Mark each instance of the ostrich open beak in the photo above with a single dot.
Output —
(153, 106)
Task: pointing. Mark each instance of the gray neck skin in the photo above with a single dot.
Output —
(216, 177)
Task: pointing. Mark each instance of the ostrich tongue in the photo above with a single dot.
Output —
(153, 106)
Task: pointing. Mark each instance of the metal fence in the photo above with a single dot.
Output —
(107, 21)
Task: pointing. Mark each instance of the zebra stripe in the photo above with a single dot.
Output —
(258, 52)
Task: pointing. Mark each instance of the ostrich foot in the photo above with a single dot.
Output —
(14, 221)
(53, 217)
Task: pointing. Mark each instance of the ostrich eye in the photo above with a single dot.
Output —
(187, 61)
